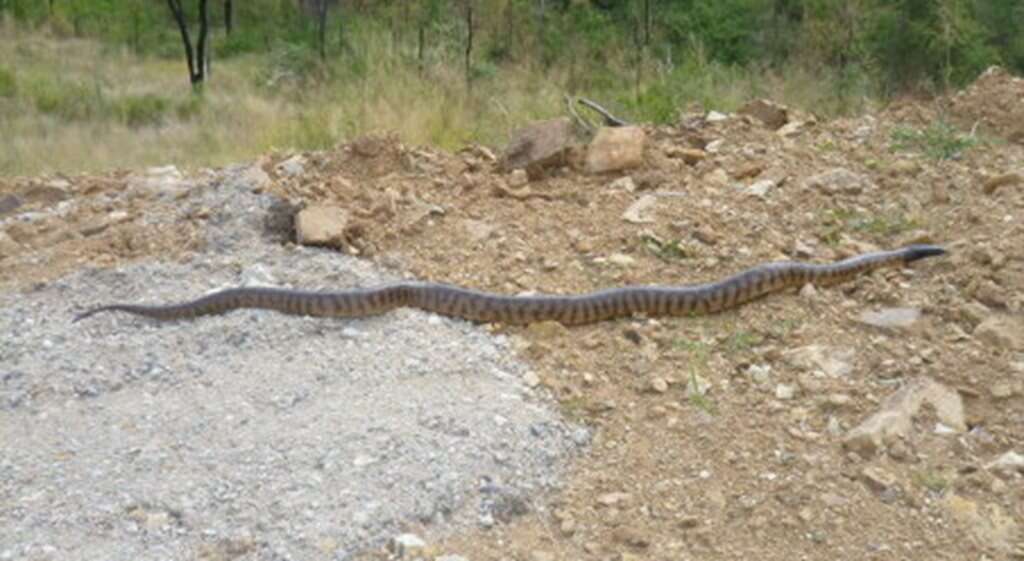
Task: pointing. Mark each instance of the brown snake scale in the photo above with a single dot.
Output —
(569, 310)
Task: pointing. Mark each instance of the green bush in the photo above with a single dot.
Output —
(68, 100)
(141, 110)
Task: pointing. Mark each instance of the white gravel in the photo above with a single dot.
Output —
(254, 435)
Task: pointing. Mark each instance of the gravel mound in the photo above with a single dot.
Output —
(254, 434)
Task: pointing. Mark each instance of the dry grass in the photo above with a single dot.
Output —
(78, 106)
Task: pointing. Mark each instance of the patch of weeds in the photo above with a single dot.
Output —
(931, 480)
(8, 84)
(68, 100)
(780, 329)
(884, 224)
(698, 351)
(699, 400)
(141, 110)
(665, 250)
(307, 130)
(837, 221)
(743, 340)
(293, 64)
(188, 108)
(939, 141)
(574, 409)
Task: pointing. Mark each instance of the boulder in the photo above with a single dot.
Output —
(614, 149)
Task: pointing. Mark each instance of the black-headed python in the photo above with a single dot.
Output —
(473, 305)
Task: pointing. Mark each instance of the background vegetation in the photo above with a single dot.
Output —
(88, 84)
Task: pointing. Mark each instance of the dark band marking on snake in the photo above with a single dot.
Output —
(580, 309)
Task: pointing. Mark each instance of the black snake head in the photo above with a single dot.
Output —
(912, 253)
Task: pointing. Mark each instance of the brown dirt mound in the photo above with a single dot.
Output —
(994, 103)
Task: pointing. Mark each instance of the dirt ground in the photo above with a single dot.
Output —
(714, 438)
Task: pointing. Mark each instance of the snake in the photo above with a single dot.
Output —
(488, 307)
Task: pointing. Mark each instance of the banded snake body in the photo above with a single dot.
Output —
(478, 306)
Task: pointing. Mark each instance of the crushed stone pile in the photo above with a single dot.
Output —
(254, 433)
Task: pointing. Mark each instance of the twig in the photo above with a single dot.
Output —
(572, 111)
(609, 119)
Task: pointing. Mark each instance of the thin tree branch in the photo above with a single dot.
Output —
(609, 119)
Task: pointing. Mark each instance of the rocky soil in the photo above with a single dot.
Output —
(877, 420)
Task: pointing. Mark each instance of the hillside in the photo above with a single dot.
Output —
(722, 437)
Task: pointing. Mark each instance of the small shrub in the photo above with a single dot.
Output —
(292, 63)
(8, 84)
(141, 110)
(189, 107)
(68, 100)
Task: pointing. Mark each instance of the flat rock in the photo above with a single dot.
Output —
(614, 149)
(895, 418)
(891, 318)
(1002, 331)
(768, 112)
(321, 225)
(541, 144)
(838, 181)
(761, 188)
(639, 212)
(833, 361)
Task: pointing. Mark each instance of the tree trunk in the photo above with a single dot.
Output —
(196, 59)
(321, 28)
(228, 16)
(469, 42)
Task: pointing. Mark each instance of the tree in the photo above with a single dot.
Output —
(228, 16)
(197, 58)
(321, 28)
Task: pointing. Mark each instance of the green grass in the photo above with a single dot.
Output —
(76, 105)
(938, 141)
(8, 84)
(931, 480)
(835, 222)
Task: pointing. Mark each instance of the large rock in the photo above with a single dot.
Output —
(614, 149)
(895, 419)
(768, 112)
(540, 144)
(321, 225)
(1002, 331)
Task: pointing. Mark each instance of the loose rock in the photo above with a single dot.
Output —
(321, 225)
(1002, 331)
(894, 420)
(615, 148)
(838, 181)
(293, 166)
(833, 361)
(891, 318)
(768, 112)
(541, 144)
(638, 212)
